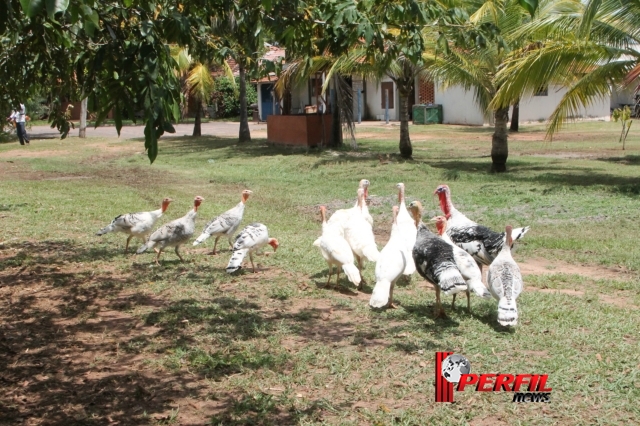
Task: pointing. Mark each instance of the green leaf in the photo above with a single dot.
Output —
(128, 3)
(31, 7)
(117, 117)
(529, 5)
(56, 6)
(115, 75)
(150, 140)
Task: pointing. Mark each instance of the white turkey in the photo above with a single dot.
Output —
(250, 240)
(336, 251)
(408, 229)
(466, 264)
(389, 267)
(479, 241)
(359, 235)
(505, 283)
(436, 263)
(137, 225)
(341, 217)
(225, 224)
(174, 233)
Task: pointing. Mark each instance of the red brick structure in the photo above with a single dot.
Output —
(426, 92)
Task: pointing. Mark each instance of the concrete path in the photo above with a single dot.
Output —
(214, 128)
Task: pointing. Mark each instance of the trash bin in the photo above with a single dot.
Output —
(427, 114)
(255, 112)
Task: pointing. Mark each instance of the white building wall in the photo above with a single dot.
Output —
(622, 97)
(540, 108)
(458, 106)
(374, 100)
(299, 97)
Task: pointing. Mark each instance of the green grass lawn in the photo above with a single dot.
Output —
(93, 336)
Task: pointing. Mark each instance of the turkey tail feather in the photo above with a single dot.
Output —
(478, 288)
(410, 267)
(507, 312)
(451, 282)
(352, 273)
(203, 237)
(380, 294)
(236, 260)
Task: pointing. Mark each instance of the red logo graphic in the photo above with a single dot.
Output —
(456, 369)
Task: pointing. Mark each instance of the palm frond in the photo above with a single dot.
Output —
(555, 62)
(200, 82)
(228, 72)
(594, 86)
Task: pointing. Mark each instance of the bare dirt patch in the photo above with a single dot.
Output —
(70, 348)
(24, 152)
(540, 266)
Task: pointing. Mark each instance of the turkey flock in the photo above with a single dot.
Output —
(451, 259)
(178, 232)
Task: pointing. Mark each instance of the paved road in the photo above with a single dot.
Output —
(221, 129)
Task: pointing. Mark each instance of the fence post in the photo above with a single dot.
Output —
(386, 105)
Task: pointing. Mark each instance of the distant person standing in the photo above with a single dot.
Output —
(19, 116)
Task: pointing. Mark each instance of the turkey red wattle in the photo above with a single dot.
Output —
(165, 204)
(196, 203)
(445, 203)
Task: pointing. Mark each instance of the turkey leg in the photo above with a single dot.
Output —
(158, 253)
(251, 259)
(126, 248)
(329, 279)
(178, 253)
(468, 300)
(215, 244)
(390, 304)
(439, 309)
(362, 280)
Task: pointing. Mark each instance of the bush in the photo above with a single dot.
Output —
(225, 100)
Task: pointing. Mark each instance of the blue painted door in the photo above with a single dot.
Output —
(266, 94)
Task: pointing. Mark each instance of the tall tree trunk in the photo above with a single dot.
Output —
(406, 150)
(197, 127)
(82, 132)
(515, 116)
(336, 124)
(245, 134)
(499, 145)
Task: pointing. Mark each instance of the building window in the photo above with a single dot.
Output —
(542, 91)
(388, 85)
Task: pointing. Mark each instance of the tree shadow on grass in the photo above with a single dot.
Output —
(551, 175)
(629, 160)
(264, 409)
(54, 252)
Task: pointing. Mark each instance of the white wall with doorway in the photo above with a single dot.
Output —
(374, 95)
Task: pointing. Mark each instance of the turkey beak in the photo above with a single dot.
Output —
(434, 219)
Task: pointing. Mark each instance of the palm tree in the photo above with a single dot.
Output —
(196, 82)
(587, 46)
(476, 67)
